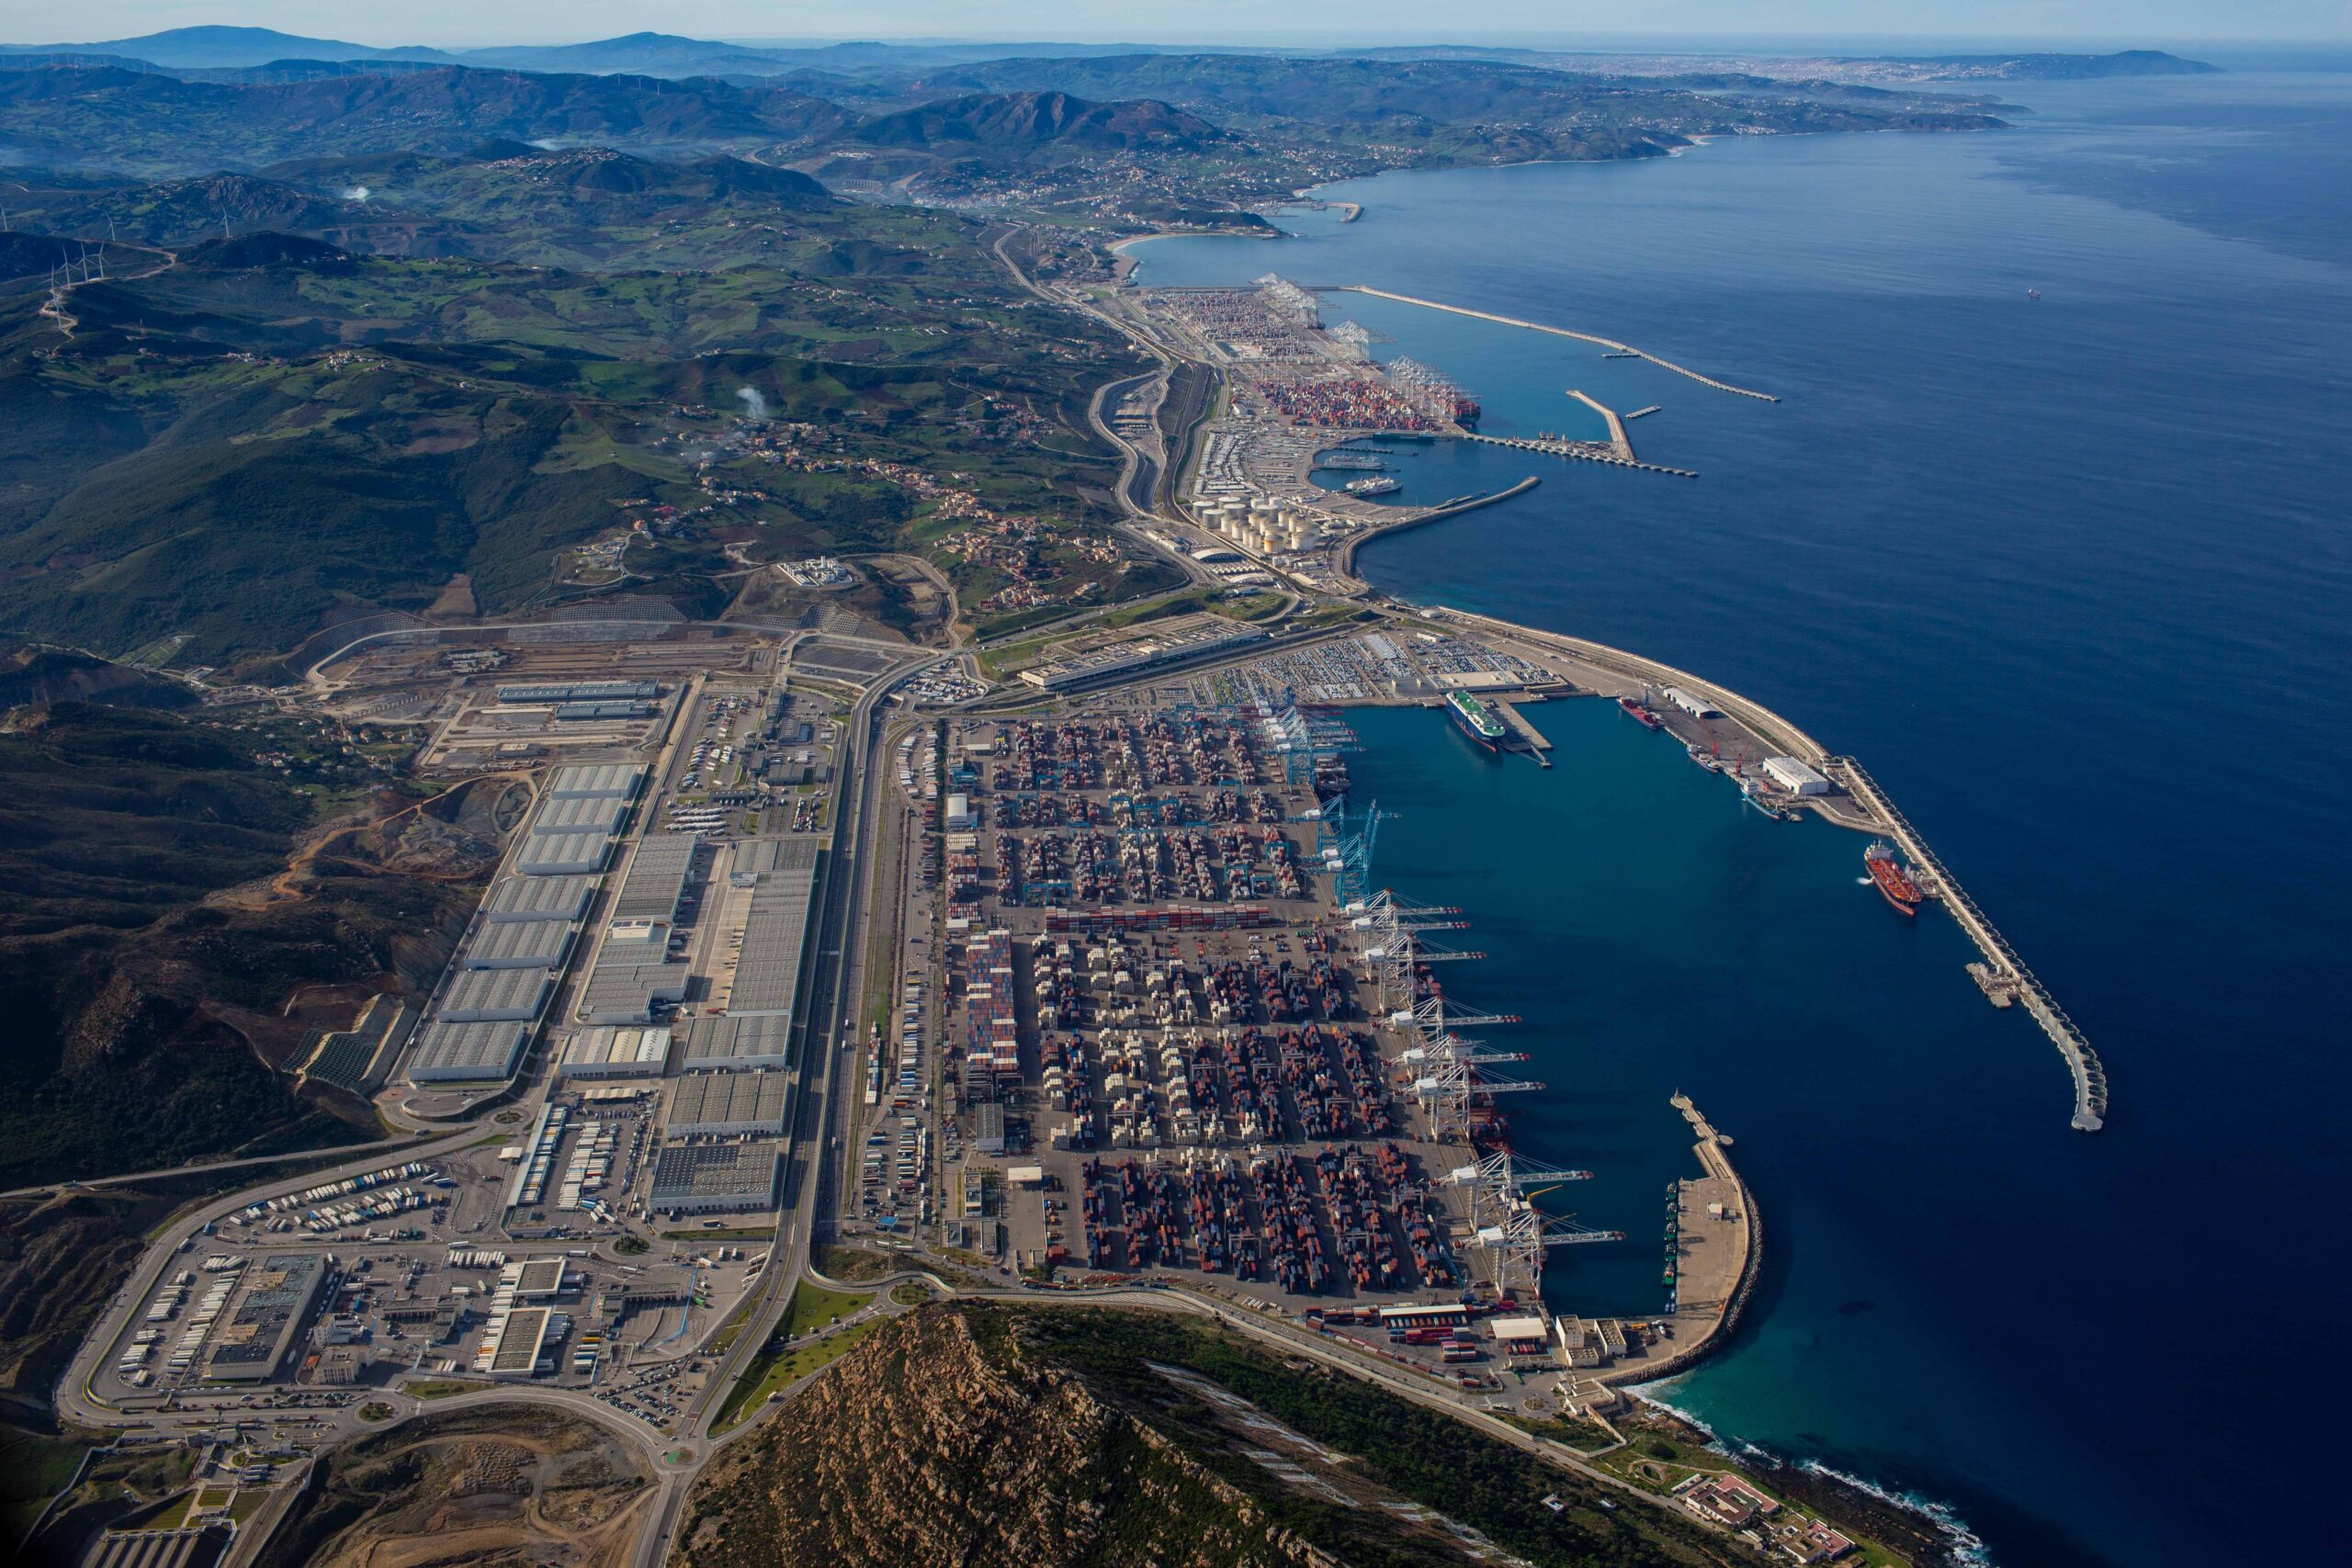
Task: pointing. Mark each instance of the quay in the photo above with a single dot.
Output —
(1714, 1252)
(1620, 349)
(1639, 413)
(2006, 976)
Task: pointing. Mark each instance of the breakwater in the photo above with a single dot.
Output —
(2007, 975)
(1620, 349)
(1345, 556)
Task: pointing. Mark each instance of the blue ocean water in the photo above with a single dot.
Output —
(2073, 576)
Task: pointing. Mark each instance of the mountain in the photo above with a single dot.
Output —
(1137, 1439)
(1023, 121)
(32, 255)
(213, 48)
(154, 124)
(646, 54)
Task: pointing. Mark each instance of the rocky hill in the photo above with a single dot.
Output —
(982, 1437)
(1022, 121)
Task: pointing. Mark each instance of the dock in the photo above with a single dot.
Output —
(1639, 413)
(1618, 350)
(2003, 975)
(1531, 737)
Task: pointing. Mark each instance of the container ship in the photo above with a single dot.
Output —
(1892, 881)
(1635, 708)
(1477, 720)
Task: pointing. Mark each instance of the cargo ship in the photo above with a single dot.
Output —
(1892, 881)
(1635, 708)
(1477, 720)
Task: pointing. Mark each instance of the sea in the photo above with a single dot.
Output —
(2072, 575)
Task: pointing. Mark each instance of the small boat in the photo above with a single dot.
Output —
(2033, 293)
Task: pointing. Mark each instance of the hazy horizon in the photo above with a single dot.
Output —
(1810, 25)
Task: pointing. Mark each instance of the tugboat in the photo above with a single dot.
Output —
(1892, 881)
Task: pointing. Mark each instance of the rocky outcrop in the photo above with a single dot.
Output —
(925, 1447)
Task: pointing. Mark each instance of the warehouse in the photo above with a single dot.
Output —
(625, 993)
(484, 996)
(596, 781)
(538, 898)
(707, 1179)
(579, 816)
(280, 1289)
(721, 1104)
(656, 881)
(735, 1045)
(767, 968)
(1794, 776)
(1697, 707)
(563, 854)
(538, 1278)
(517, 945)
(609, 1053)
(577, 712)
(631, 943)
(579, 692)
(467, 1053)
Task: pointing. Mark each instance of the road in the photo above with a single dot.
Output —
(837, 973)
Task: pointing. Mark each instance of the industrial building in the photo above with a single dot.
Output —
(184, 1545)
(538, 898)
(517, 945)
(656, 880)
(627, 993)
(1794, 776)
(629, 943)
(595, 781)
(486, 996)
(563, 854)
(1696, 707)
(710, 1178)
(576, 712)
(467, 1053)
(605, 1052)
(735, 1045)
(767, 969)
(721, 1104)
(579, 816)
(279, 1292)
(581, 691)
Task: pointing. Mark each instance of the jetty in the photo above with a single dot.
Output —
(2003, 975)
(1619, 350)
(1618, 440)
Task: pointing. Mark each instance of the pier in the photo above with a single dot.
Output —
(1530, 737)
(1619, 350)
(2004, 976)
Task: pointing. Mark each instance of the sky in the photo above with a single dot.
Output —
(1603, 23)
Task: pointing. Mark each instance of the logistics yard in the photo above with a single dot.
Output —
(1173, 1032)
